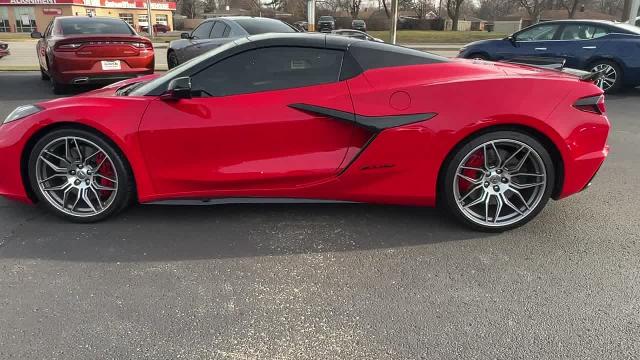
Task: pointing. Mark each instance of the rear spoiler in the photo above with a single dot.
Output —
(557, 64)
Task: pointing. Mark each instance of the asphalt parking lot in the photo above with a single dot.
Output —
(327, 281)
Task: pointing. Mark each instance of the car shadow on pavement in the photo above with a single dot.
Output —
(173, 233)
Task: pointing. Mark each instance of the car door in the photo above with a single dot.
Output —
(198, 37)
(579, 43)
(242, 134)
(219, 35)
(535, 41)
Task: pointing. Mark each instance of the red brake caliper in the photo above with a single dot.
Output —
(476, 161)
(107, 171)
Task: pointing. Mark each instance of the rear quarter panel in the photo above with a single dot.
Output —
(467, 98)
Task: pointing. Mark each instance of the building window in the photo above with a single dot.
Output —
(128, 18)
(4, 20)
(162, 19)
(143, 20)
(25, 19)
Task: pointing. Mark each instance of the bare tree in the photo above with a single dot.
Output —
(453, 10)
(571, 6)
(422, 7)
(354, 8)
(534, 8)
(493, 9)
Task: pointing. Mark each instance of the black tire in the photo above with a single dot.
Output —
(478, 56)
(447, 196)
(43, 74)
(172, 60)
(58, 88)
(125, 183)
(618, 84)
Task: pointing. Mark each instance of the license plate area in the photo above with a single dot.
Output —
(111, 65)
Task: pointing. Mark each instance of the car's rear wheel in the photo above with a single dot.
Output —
(172, 60)
(78, 175)
(57, 87)
(498, 181)
(43, 74)
(611, 80)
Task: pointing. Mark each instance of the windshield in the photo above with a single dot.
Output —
(93, 26)
(358, 22)
(326, 18)
(182, 69)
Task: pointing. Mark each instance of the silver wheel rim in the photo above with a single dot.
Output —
(499, 182)
(76, 176)
(609, 76)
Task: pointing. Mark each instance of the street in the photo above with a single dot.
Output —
(326, 281)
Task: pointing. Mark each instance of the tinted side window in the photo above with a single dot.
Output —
(577, 32)
(373, 55)
(218, 30)
(600, 32)
(202, 31)
(538, 33)
(227, 30)
(267, 69)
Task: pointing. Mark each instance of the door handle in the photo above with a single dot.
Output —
(540, 49)
(589, 47)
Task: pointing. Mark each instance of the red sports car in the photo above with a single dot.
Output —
(315, 117)
(91, 50)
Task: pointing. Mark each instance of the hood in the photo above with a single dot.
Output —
(483, 42)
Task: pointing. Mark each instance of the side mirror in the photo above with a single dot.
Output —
(36, 35)
(512, 39)
(185, 36)
(179, 88)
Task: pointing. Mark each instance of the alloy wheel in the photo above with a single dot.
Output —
(609, 76)
(499, 183)
(76, 176)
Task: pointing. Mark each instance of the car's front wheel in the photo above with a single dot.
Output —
(172, 60)
(78, 175)
(498, 181)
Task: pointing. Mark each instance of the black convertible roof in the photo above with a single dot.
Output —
(303, 39)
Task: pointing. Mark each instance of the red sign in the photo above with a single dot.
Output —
(121, 4)
(52, 11)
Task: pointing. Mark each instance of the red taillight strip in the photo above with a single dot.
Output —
(592, 104)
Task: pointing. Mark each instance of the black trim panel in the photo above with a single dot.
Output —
(373, 123)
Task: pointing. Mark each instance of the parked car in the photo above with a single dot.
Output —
(91, 50)
(355, 34)
(212, 33)
(591, 45)
(157, 28)
(359, 25)
(4, 49)
(309, 116)
(326, 24)
(301, 25)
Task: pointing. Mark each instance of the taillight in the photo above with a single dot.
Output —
(142, 45)
(68, 47)
(592, 104)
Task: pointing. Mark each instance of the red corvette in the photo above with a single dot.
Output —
(309, 116)
(78, 50)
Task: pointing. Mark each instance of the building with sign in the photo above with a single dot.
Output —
(35, 15)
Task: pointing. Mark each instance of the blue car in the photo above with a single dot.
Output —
(591, 45)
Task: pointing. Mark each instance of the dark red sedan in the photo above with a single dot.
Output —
(91, 50)
(309, 117)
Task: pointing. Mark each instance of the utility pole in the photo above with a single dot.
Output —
(311, 15)
(394, 21)
(149, 23)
